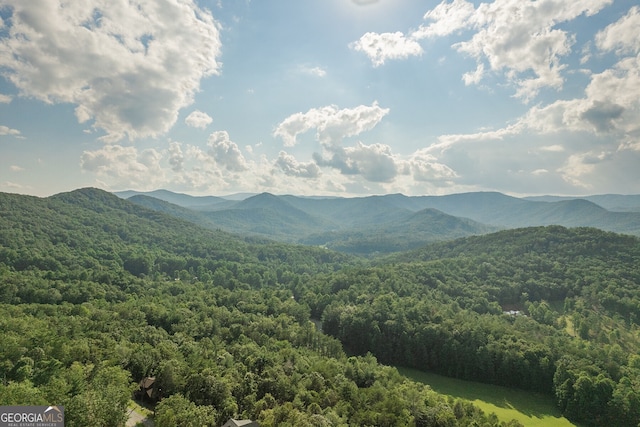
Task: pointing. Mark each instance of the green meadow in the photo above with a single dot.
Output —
(531, 409)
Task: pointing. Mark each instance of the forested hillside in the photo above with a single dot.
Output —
(357, 226)
(548, 309)
(97, 293)
(393, 222)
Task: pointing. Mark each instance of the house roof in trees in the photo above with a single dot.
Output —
(239, 423)
(147, 385)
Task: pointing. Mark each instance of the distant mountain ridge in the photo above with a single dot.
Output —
(611, 202)
(388, 223)
(184, 200)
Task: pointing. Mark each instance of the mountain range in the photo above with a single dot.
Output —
(389, 223)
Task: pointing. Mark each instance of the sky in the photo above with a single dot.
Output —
(320, 97)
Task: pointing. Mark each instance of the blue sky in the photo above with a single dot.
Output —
(320, 97)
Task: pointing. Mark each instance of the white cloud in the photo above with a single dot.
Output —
(176, 157)
(447, 18)
(331, 124)
(579, 165)
(602, 115)
(556, 148)
(180, 166)
(539, 172)
(610, 106)
(125, 167)
(618, 91)
(198, 119)
(622, 36)
(375, 163)
(518, 39)
(380, 47)
(446, 141)
(14, 186)
(426, 167)
(128, 65)
(312, 71)
(5, 99)
(16, 168)
(226, 152)
(4, 130)
(216, 168)
(597, 131)
(292, 167)
(474, 77)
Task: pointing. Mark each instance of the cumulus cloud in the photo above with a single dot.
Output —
(226, 152)
(198, 119)
(380, 47)
(126, 167)
(128, 66)
(602, 115)
(426, 167)
(622, 36)
(446, 18)
(179, 166)
(375, 163)
(213, 168)
(4, 130)
(5, 99)
(602, 125)
(598, 129)
(518, 39)
(581, 164)
(292, 167)
(176, 157)
(331, 124)
(610, 105)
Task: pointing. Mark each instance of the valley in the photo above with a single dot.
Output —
(530, 409)
(98, 292)
(390, 223)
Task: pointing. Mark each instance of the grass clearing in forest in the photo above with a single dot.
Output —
(530, 409)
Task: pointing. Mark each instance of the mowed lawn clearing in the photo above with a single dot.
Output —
(531, 409)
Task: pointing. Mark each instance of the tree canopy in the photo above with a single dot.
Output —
(97, 293)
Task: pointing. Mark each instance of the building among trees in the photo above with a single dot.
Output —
(240, 423)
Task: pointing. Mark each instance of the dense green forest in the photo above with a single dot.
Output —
(572, 331)
(97, 293)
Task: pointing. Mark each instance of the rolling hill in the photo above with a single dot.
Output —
(391, 222)
(363, 225)
(611, 202)
(98, 292)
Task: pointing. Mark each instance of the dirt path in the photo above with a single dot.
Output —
(136, 418)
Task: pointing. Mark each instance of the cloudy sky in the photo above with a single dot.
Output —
(320, 97)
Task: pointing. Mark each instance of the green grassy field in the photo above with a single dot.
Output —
(531, 409)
